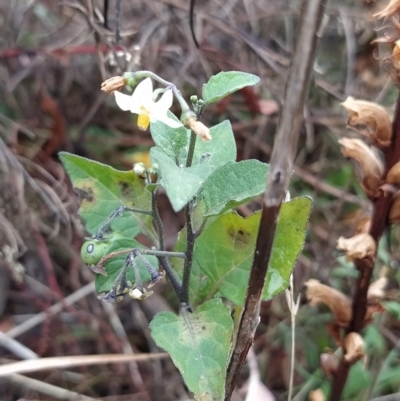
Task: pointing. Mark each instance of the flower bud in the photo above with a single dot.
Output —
(339, 304)
(198, 128)
(353, 345)
(194, 99)
(329, 363)
(358, 247)
(369, 119)
(394, 212)
(316, 395)
(390, 10)
(139, 168)
(113, 84)
(370, 165)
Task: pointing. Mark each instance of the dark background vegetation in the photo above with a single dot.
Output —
(54, 56)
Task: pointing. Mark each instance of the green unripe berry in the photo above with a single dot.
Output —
(92, 251)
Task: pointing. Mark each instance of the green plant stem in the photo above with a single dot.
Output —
(190, 235)
(192, 144)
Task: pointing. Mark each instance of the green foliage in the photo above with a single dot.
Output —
(225, 83)
(183, 183)
(102, 189)
(205, 178)
(234, 184)
(225, 250)
(199, 345)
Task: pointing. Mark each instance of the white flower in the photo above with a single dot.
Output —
(141, 102)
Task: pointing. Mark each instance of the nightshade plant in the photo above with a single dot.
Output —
(210, 265)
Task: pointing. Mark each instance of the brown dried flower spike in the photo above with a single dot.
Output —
(371, 166)
(358, 247)
(372, 116)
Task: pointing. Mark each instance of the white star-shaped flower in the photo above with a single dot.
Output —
(141, 103)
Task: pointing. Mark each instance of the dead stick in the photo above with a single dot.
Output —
(281, 167)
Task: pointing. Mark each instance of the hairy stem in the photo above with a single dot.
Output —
(190, 234)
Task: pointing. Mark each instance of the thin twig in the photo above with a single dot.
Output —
(281, 167)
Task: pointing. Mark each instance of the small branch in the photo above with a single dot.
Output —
(366, 266)
(281, 167)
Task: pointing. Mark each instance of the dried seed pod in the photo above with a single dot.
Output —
(113, 84)
(329, 363)
(353, 345)
(339, 304)
(370, 165)
(390, 10)
(358, 247)
(369, 119)
(394, 213)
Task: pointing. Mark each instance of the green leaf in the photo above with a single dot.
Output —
(225, 250)
(114, 265)
(199, 284)
(102, 189)
(221, 149)
(225, 83)
(180, 183)
(183, 183)
(234, 184)
(199, 345)
(170, 140)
